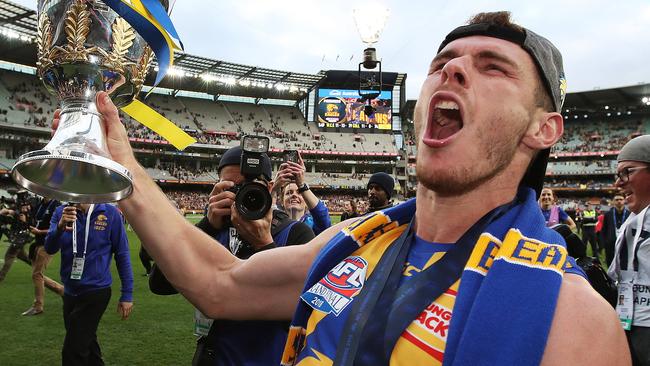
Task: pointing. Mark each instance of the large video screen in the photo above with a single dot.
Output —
(343, 109)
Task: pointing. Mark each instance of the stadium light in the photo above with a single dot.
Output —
(606, 107)
(645, 99)
(176, 72)
(207, 77)
(585, 116)
(609, 114)
(628, 113)
(12, 34)
(370, 21)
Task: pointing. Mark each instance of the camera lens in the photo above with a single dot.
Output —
(253, 201)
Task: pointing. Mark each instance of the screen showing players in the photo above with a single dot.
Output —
(344, 109)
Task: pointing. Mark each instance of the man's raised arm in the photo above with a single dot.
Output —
(266, 286)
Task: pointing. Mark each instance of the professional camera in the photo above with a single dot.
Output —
(253, 199)
(16, 225)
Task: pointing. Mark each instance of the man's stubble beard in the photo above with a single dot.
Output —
(463, 179)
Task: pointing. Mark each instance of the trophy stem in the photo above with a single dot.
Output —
(75, 165)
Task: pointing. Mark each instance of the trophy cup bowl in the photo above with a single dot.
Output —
(83, 47)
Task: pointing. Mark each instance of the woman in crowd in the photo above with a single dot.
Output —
(553, 214)
(298, 200)
(349, 210)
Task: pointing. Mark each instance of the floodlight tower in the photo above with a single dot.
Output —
(370, 21)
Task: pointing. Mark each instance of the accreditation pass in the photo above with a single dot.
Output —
(625, 304)
(77, 268)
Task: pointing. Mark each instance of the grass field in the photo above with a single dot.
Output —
(158, 332)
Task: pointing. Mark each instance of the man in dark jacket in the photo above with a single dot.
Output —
(380, 190)
(611, 224)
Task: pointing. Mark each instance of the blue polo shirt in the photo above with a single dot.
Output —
(106, 237)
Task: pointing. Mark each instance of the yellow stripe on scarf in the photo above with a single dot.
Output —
(159, 124)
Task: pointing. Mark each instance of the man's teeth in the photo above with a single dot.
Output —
(446, 104)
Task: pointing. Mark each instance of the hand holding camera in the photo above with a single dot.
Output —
(292, 170)
(220, 203)
(68, 217)
(257, 233)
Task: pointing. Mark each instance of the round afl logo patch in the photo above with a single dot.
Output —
(349, 274)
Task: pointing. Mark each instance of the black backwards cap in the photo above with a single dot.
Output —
(232, 156)
(548, 60)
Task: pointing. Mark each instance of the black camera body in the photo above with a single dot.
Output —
(15, 227)
(252, 197)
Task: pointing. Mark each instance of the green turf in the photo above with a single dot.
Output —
(158, 332)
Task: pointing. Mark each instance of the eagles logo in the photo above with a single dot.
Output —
(101, 222)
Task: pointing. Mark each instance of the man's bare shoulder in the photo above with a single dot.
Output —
(585, 329)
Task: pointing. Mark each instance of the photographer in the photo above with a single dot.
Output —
(40, 258)
(16, 220)
(241, 342)
(297, 199)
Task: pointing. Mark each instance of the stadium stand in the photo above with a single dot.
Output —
(600, 135)
(25, 101)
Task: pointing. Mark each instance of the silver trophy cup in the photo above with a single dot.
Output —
(83, 47)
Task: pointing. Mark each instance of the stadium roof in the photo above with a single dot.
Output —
(627, 98)
(192, 73)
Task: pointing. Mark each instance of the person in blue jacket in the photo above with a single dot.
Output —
(88, 236)
(298, 200)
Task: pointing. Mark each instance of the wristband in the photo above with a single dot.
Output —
(303, 188)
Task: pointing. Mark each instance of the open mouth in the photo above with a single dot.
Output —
(446, 120)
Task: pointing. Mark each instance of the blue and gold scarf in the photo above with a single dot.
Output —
(505, 304)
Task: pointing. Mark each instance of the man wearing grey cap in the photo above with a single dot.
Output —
(472, 246)
(631, 264)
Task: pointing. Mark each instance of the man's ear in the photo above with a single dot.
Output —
(271, 184)
(544, 131)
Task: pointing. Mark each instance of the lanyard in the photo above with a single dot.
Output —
(618, 224)
(635, 244)
(74, 233)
